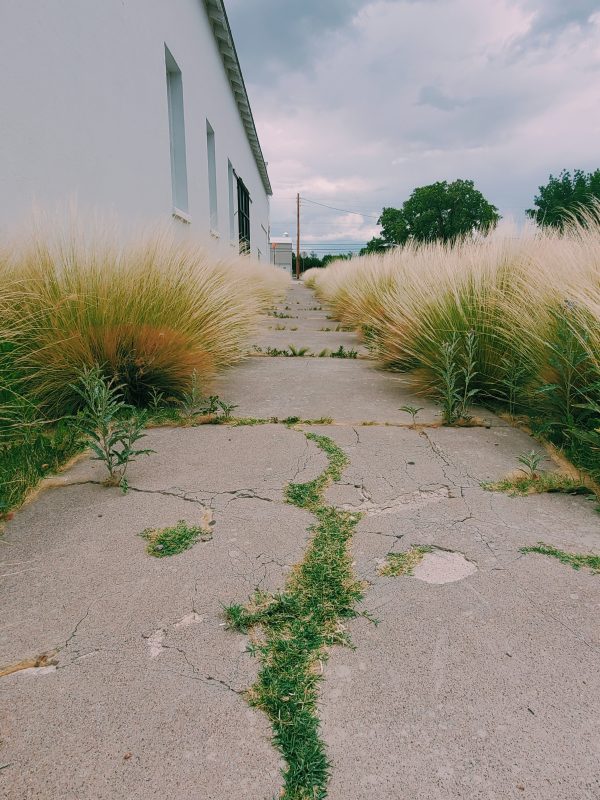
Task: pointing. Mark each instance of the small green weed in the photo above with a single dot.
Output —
(539, 483)
(531, 461)
(194, 404)
(575, 560)
(398, 564)
(413, 411)
(248, 422)
(341, 352)
(298, 352)
(165, 542)
(111, 426)
(290, 352)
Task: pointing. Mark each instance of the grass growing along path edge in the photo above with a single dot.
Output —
(575, 560)
(292, 630)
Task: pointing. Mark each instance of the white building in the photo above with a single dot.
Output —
(133, 107)
(281, 252)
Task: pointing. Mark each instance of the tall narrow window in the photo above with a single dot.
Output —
(230, 179)
(212, 177)
(243, 216)
(177, 135)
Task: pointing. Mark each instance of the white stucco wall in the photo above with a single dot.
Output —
(84, 115)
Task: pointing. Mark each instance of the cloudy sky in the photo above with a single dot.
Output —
(357, 102)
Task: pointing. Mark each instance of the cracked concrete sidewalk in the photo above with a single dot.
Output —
(484, 688)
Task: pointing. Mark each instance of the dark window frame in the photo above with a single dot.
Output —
(243, 216)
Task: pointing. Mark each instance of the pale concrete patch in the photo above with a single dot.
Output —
(442, 567)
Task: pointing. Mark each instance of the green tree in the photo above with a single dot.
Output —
(375, 245)
(441, 211)
(568, 196)
(336, 257)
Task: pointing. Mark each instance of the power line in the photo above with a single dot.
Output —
(342, 210)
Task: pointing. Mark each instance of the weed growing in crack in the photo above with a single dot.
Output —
(531, 461)
(398, 564)
(290, 352)
(298, 352)
(413, 411)
(165, 542)
(293, 629)
(532, 481)
(341, 352)
(539, 483)
(575, 560)
(111, 426)
(194, 404)
(248, 422)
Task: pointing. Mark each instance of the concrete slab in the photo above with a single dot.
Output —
(474, 687)
(315, 341)
(313, 388)
(142, 662)
(317, 324)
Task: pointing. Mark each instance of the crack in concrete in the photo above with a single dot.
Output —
(411, 500)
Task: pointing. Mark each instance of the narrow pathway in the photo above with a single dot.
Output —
(476, 683)
(480, 680)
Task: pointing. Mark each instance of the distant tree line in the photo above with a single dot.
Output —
(312, 261)
(446, 211)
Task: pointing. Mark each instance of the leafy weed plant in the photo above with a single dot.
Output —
(455, 374)
(112, 427)
(413, 411)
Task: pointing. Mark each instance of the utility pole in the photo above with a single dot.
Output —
(298, 239)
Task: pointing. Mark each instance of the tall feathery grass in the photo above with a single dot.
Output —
(156, 315)
(149, 313)
(516, 313)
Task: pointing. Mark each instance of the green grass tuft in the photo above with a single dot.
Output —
(575, 560)
(297, 626)
(539, 483)
(398, 564)
(31, 456)
(165, 542)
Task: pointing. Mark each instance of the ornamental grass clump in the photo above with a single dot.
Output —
(511, 320)
(148, 313)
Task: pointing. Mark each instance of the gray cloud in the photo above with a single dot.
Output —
(271, 34)
(553, 16)
(357, 103)
(434, 96)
